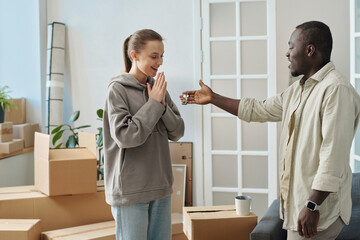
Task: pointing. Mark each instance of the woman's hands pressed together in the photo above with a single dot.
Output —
(158, 90)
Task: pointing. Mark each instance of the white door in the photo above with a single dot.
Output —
(238, 43)
(355, 73)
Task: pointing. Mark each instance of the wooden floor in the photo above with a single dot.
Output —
(179, 237)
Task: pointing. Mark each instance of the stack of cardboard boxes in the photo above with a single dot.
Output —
(65, 193)
(25, 132)
(15, 133)
(7, 143)
(66, 202)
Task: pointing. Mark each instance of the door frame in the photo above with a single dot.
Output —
(272, 189)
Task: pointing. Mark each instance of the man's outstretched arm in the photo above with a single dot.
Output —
(205, 96)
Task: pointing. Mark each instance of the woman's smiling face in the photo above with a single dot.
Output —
(150, 58)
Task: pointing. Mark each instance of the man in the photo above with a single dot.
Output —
(319, 115)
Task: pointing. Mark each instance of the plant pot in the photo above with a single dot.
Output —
(73, 142)
(2, 115)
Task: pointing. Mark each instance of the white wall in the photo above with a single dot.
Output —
(17, 170)
(290, 13)
(95, 34)
(20, 53)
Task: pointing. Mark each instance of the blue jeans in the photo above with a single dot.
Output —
(143, 221)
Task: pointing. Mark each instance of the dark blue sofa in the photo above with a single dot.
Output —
(270, 226)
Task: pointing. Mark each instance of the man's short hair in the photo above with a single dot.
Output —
(318, 34)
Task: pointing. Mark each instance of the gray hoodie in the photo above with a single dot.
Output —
(136, 131)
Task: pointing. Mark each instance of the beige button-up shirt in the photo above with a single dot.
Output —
(326, 113)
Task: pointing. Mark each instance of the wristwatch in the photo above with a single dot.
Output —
(311, 205)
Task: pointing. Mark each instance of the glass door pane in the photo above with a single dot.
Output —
(218, 19)
(225, 172)
(223, 58)
(224, 133)
(357, 15)
(253, 18)
(254, 57)
(255, 169)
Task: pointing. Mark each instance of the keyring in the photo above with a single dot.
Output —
(185, 101)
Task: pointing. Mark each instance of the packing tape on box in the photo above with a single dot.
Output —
(6, 131)
(210, 211)
(81, 232)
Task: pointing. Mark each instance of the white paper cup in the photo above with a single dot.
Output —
(242, 205)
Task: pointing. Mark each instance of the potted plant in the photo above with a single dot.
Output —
(73, 140)
(99, 142)
(5, 102)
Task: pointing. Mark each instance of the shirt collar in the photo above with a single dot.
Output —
(320, 75)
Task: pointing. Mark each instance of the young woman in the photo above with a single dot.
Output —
(139, 118)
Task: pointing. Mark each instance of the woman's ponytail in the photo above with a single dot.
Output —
(127, 59)
(136, 42)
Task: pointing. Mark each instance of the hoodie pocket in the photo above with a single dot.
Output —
(145, 169)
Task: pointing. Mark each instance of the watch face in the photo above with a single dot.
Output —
(311, 205)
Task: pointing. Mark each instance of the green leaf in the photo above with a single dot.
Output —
(67, 144)
(55, 130)
(59, 145)
(57, 136)
(100, 113)
(84, 126)
(74, 116)
(100, 129)
(5, 101)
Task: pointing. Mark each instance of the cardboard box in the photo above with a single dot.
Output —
(26, 132)
(55, 212)
(98, 231)
(20, 229)
(181, 153)
(6, 132)
(35, 128)
(217, 222)
(13, 146)
(105, 231)
(176, 223)
(178, 197)
(65, 171)
(18, 115)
